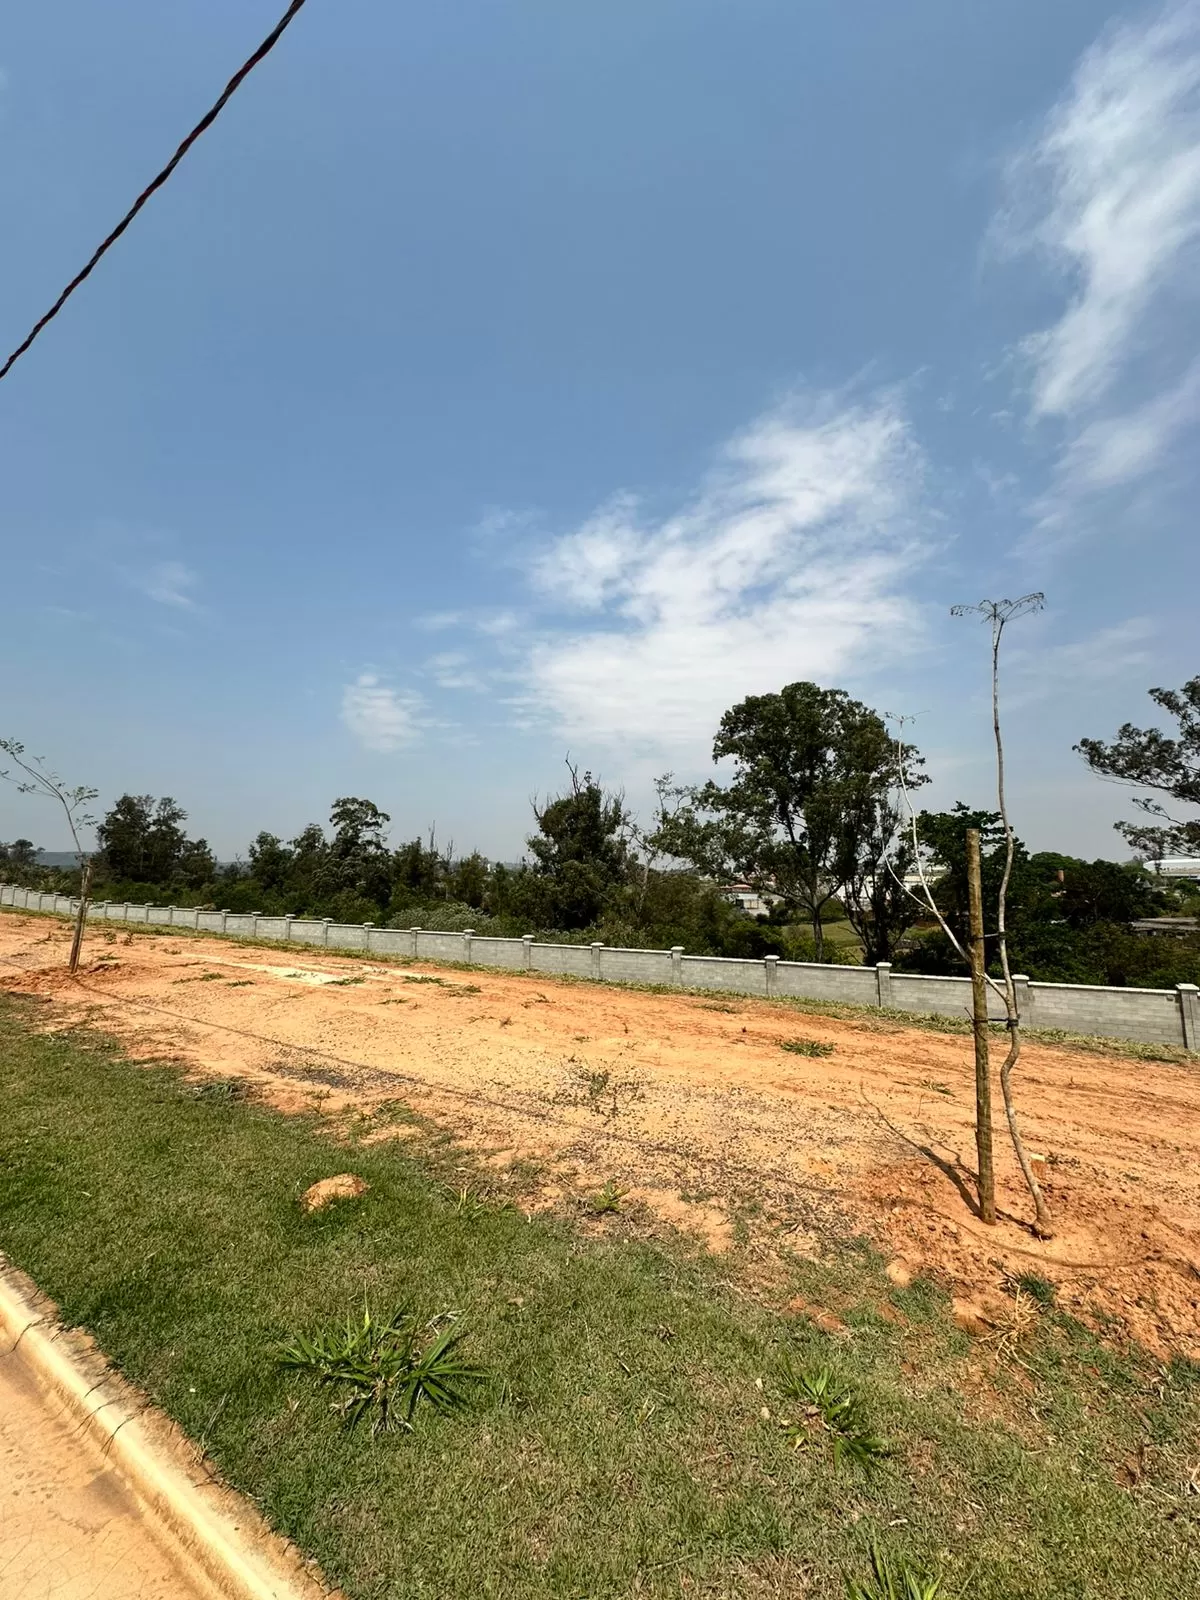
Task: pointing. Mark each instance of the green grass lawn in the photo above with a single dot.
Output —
(628, 1439)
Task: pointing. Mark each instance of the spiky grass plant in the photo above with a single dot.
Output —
(893, 1579)
(839, 1410)
(385, 1370)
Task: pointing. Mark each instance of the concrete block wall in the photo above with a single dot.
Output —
(1151, 1016)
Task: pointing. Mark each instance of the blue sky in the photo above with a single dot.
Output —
(502, 380)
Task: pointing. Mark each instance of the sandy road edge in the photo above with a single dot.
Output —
(190, 1509)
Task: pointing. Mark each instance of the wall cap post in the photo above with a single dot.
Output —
(883, 983)
(1024, 997)
(771, 966)
(1189, 1015)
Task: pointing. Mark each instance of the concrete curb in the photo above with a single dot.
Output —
(188, 1506)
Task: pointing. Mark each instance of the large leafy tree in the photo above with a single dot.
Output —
(271, 862)
(19, 861)
(1149, 758)
(581, 856)
(809, 813)
(359, 861)
(143, 841)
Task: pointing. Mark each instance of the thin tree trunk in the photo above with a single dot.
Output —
(1044, 1227)
(983, 1075)
(818, 934)
(85, 884)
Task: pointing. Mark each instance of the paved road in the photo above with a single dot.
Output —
(69, 1528)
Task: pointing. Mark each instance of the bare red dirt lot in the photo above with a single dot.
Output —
(691, 1105)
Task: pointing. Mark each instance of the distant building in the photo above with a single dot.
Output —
(754, 902)
(1175, 867)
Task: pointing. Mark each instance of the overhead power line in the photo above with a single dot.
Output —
(206, 121)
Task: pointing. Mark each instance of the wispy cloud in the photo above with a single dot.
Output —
(170, 583)
(1117, 449)
(1108, 194)
(379, 716)
(1111, 194)
(438, 621)
(452, 669)
(1092, 662)
(787, 563)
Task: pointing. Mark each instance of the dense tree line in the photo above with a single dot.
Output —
(811, 814)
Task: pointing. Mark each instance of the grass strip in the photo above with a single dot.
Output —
(622, 1443)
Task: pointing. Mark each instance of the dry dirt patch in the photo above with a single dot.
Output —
(697, 1112)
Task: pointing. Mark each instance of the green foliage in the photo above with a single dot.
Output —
(384, 1370)
(838, 1408)
(142, 840)
(893, 1578)
(608, 1201)
(806, 1047)
(810, 812)
(19, 863)
(1036, 1287)
(1170, 766)
(580, 853)
(1068, 919)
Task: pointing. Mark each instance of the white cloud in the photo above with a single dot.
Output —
(439, 621)
(380, 717)
(451, 669)
(499, 624)
(1118, 449)
(786, 564)
(170, 583)
(1092, 662)
(1110, 191)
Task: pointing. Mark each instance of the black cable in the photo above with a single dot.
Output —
(206, 121)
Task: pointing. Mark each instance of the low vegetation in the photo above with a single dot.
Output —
(384, 1370)
(628, 1425)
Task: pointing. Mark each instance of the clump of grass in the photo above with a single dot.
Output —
(806, 1047)
(837, 1408)
(343, 983)
(469, 1204)
(240, 983)
(937, 1086)
(608, 1201)
(386, 1370)
(420, 977)
(203, 977)
(221, 1090)
(463, 988)
(893, 1579)
(1036, 1287)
